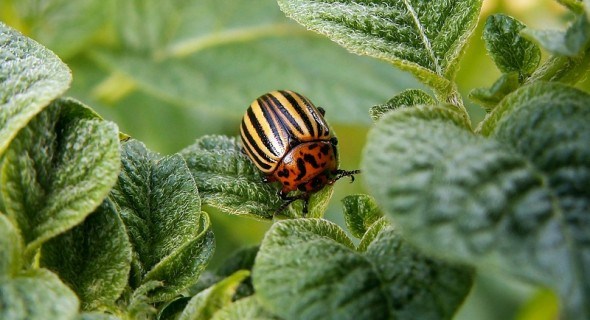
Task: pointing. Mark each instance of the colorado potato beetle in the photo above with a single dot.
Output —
(287, 138)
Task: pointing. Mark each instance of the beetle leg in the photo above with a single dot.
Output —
(305, 205)
(291, 199)
(343, 173)
(322, 111)
(284, 195)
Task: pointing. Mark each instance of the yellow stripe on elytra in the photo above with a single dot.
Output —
(283, 134)
(304, 133)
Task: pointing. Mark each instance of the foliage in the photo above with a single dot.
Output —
(95, 225)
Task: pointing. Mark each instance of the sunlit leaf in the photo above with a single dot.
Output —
(406, 98)
(160, 205)
(30, 78)
(510, 51)
(423, 37)
(57, 170)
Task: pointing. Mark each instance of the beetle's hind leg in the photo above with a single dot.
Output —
(291, 199)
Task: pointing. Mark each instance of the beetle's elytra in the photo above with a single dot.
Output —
(287, 138)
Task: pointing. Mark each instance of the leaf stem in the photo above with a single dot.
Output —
(451, 96)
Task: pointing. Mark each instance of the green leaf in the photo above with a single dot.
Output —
(204, 305)
(475, 200)
(11, 246)
(164, 17)
(406, 98)
(268, 62)
(418, 287)
(242, 259)
(262, 50)
(30, 78)
(571, 42)
(575, 5)
(97, 260)
(332, 280)
(360, 212)
(96, 316)
(510, 51)
(66, 27)
(549, 123)
(561, 69)
(490, 97)
(38, 294)
(246, 308)
(542, 93)
(57, 170)
(158, 201)
(228, 180)
(318, 203)
(423, 37)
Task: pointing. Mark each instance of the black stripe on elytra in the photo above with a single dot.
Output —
(302, 169)
(319, 117)
(275, 127)
(280, 108)
(256, 153)
(303, 114)
(260, 132)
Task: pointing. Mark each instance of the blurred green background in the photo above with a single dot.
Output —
(168, 72)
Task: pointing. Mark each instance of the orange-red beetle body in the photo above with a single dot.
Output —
(287, 138)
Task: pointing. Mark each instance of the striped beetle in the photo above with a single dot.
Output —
(287, 138)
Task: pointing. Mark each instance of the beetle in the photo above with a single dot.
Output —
(289, 141)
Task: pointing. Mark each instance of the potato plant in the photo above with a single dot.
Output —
(95, 225)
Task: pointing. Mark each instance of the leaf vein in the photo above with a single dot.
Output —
(424, 38)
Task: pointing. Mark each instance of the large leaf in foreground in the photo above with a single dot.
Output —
(313, 260)
(158, 201)
(475, 200)
(37, 295)
(31, 77)
(549, 123)
(58, 169)
(423, 37)
(97, 260)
